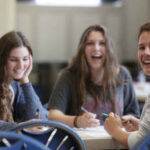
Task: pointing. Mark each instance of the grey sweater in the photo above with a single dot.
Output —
(63, 96)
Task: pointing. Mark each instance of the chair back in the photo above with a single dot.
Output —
(57, 137)
(14, 141)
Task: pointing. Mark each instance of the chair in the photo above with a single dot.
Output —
(57, 137)
(14, 141)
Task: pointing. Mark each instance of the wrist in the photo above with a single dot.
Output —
(75, 122)
(24, 80)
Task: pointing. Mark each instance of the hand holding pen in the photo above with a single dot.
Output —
(87, 119)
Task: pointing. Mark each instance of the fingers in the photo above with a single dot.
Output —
(25, 78)
(29, 67)
(89, 115)
(126, 118)
(111, 114)
(88, 120)
(130, 118)
(130, 123)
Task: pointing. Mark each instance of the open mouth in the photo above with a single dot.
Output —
(146, 62)
(96, 56)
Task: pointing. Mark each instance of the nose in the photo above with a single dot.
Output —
(97, 46)
(147, 50)
(20, 64)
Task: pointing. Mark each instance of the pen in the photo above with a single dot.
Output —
(104, 115)
(83, 109)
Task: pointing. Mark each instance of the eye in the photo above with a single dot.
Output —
(90, 43)
(25, 58)
(12, 59)
(102, 43)
(141, 47)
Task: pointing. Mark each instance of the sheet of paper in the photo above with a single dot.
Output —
(90, 133)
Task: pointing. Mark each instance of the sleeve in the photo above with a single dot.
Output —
(131, 105)
(5, 126)
(28, 103)
(61, 94)
(144, 127)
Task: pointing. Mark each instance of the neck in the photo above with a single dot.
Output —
(97, 75)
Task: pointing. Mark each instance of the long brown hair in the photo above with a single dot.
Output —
(8, 42)
(82, 75)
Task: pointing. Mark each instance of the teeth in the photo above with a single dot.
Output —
(96, 54)
(146, 61)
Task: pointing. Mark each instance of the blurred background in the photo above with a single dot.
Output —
(54, 27)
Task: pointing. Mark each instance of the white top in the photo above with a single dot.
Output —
(144, 127)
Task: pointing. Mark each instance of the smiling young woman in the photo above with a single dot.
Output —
(18, 100)
(112, 124)
(94, 80)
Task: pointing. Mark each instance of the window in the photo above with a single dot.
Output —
(69, 2)
(82, 3)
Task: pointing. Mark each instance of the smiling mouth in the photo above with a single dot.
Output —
(146, 62)
(19, 72)
(96, 57)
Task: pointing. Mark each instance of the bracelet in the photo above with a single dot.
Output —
(75, 123)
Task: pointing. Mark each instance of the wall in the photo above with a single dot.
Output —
(7, 15)
(136, 12)
(55, 31)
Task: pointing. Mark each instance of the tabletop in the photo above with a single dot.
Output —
(98, 139)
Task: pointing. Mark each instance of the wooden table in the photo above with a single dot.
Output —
(98, 139)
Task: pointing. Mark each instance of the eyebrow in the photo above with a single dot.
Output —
(17, 57)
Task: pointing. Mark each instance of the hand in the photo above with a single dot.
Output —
(114, 127)
(87, 119)
(113, 123)
(25, 78)
(130, 123)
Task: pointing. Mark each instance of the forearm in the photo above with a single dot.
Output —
(31, 102)
(55, 114)
(121, 135)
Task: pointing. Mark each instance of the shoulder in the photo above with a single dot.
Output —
(124, 72)
(65, 75)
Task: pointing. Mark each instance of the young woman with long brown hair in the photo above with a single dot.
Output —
(18, 100)
(93, 80)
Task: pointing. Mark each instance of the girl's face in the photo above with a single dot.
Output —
(17, 62)
(144, 52)
(95, 50)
